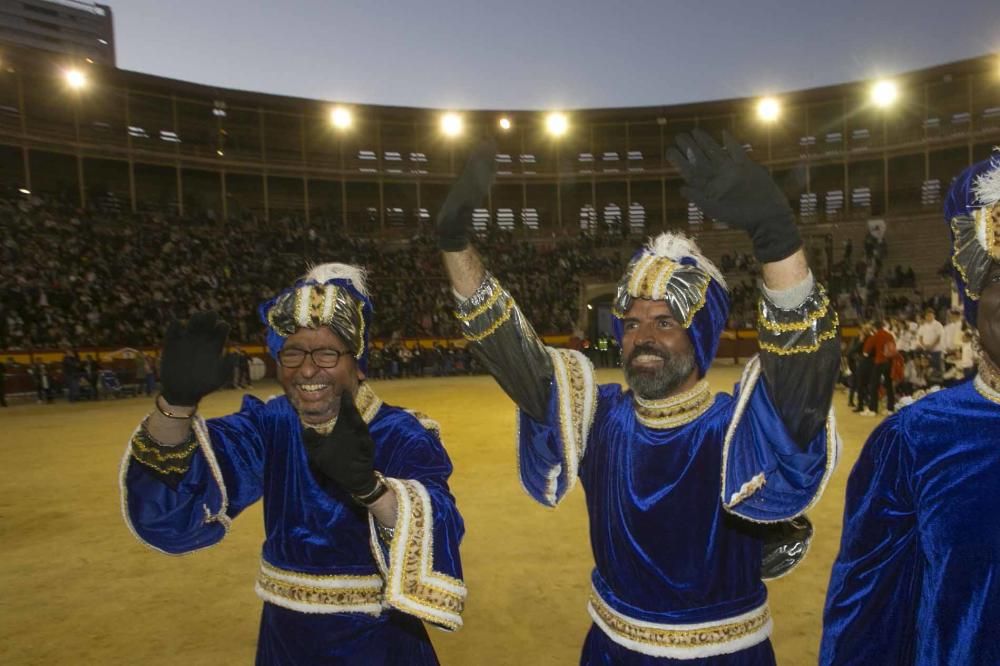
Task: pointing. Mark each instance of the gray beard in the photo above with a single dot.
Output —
(659, 383)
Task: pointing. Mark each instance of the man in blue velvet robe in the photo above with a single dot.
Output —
(917, 580)
(678, 480)
(362, 531)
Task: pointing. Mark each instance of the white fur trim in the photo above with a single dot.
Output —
(748, 489)
(205, 442)
(330, 582)
(329, 300)
(574, 431)
(751, 374)
(406, 491)
(334, 271)
(676, 246)
(672, 652)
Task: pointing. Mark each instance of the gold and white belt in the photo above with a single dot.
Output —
(682, 641)
(310, 593)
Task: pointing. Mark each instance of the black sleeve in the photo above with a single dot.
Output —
(800, 358)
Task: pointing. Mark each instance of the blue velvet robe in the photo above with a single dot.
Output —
(671, 510)
(314, 531)
(917, 580)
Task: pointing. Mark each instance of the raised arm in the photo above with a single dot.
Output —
(191, 368)
(183, 479)
(797, 326)
(492, 323)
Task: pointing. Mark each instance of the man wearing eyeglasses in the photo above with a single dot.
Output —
(362, 530)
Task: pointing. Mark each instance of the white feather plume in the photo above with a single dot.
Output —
(334, 271)
(986, 186)
(676, 245)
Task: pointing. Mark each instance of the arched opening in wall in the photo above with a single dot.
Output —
(600, 345)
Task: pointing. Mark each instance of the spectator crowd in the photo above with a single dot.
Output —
(74, 279)
(900, 359)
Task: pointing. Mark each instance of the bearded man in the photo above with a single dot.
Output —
(362, 532)
(677, 479)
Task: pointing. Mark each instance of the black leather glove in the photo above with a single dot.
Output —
(727, 185)
(346, 456)
(784, 545)
(192, 365)
(455, 217)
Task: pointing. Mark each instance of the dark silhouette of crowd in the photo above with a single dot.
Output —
(93, 279)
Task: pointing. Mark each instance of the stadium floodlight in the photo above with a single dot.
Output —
(556, 123)
(451, 124)
(884, 93)
(768, 109)
(505, 123)
(75, 79)
(341, 117)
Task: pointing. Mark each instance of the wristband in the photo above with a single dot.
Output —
(169, 414)
(381, 488)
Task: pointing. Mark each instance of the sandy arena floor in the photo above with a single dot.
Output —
(77, 588)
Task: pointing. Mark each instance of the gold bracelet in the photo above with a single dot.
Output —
(171, 415)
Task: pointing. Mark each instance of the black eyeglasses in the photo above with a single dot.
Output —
(321, 358)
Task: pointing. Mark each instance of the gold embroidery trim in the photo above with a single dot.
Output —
(500, 321)
(486, 305)
(957, 236)
(317, 298)
(662, 267)
(273, 324)
(676, 410)
(155, 455)
(679, 638)
(572, 392)
(646, 290)
(696, 307)
(418, 580)
(988, 378)
(991, 229)
(802, 349)
(360, 343)
(296, 305)
(427, 422)
(350, 591)
(804, 325)
(367, 402)
(638, 274)
(317, 302)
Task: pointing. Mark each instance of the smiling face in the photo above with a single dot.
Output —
(988, 316)
(657, 354)
(314, 391)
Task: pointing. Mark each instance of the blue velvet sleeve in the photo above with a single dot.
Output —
(421, 564)
(875, 584)
(224, 478)
(550, 451)
(767, 476)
